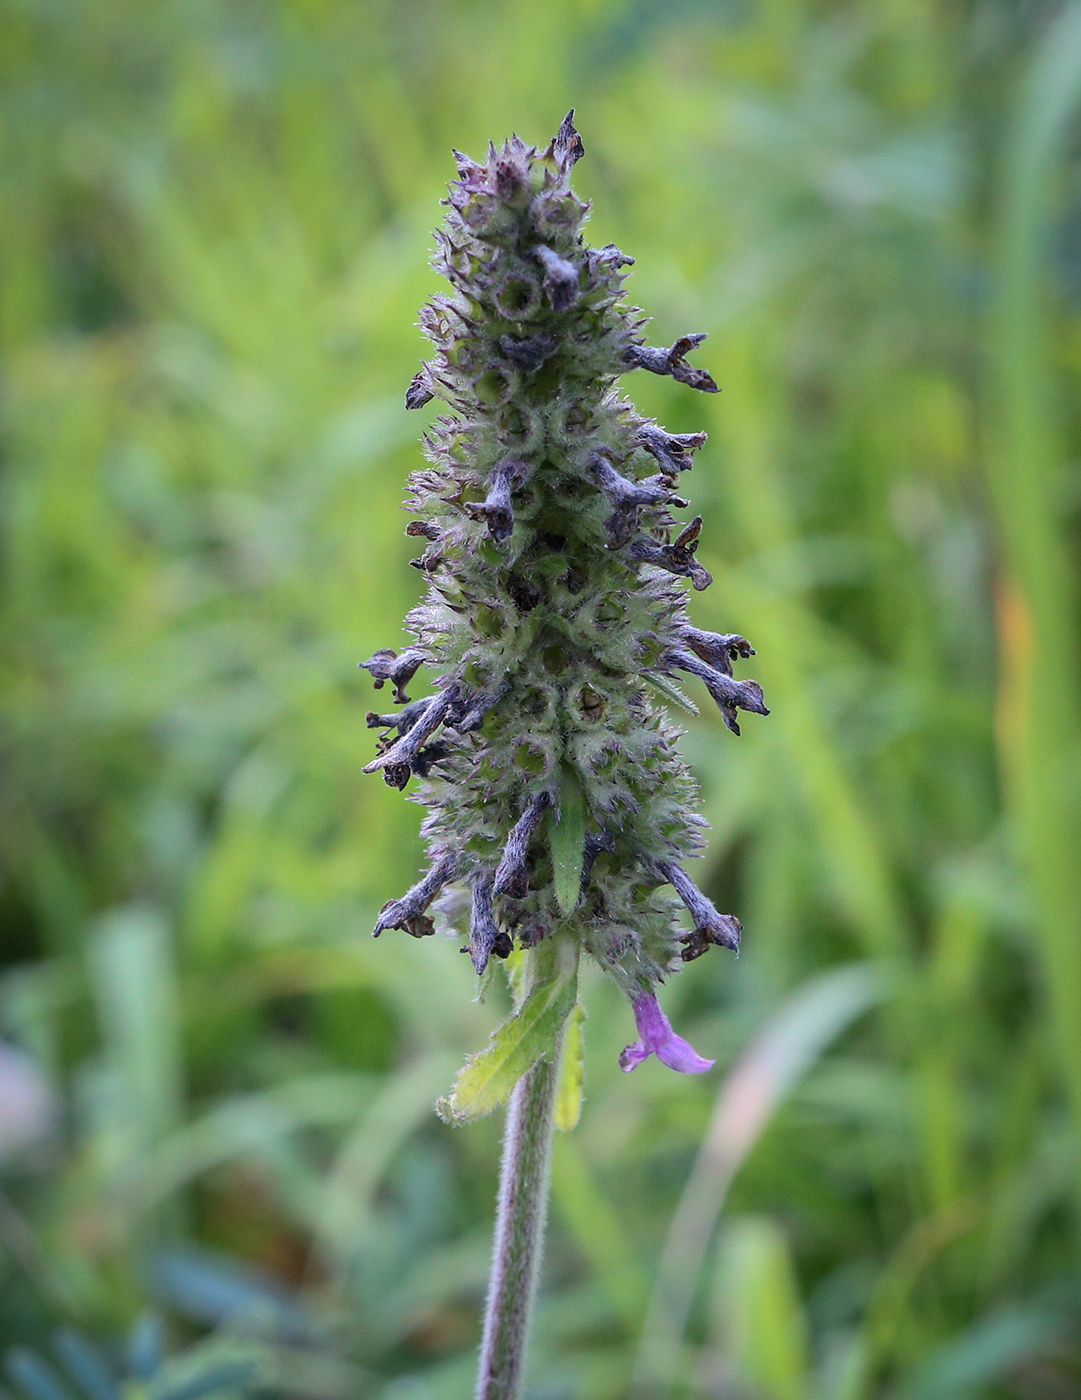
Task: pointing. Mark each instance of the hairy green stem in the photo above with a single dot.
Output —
(519, 1231)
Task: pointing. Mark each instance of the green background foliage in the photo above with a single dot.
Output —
(214, 224)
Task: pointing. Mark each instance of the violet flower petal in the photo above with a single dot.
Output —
(633, 1056)
(678, 1053)
(658, 1038)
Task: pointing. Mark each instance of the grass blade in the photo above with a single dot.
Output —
(767, 1072)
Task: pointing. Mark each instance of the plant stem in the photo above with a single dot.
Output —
(519, 1231)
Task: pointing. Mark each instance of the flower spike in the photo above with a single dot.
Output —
(559, 812)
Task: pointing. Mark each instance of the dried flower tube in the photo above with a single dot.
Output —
(408, 913)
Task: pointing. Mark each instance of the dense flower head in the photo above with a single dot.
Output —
(555, 616)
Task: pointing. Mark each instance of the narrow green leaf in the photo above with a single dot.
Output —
(758, 1316)
(995, 1344)
(487, 1079)
(567, 838)
(571, 1072)
(227, 1375)
(85, 1364)
(36, 1377)
(146, 1346)
(672, 692)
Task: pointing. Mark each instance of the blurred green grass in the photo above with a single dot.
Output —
(213, 235)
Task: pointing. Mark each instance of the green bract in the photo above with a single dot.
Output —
(554, 618)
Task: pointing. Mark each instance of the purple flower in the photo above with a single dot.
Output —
(658, 1038)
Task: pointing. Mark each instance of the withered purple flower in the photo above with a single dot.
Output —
(557, 803)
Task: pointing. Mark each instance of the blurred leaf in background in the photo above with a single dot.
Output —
(218, 1097)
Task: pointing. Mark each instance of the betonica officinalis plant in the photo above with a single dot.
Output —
(560, 815)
